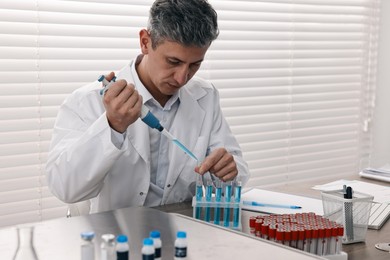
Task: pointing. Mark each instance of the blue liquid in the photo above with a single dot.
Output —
(209, 190)
(218, 198)
(181, 146)
(226, 213)
(236, 212)
(199, 195)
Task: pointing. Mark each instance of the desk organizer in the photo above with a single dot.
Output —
(225, 214)
(353, 213)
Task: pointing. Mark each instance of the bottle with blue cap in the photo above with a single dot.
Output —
(155, 235)
(181, 245)
(122, 248)
(148, 249)
(87, 246)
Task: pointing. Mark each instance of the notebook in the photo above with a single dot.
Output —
(379, 214)
(380, 174)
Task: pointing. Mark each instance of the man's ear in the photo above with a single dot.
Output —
(145, 41)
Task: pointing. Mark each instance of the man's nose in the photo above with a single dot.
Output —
(182, 74)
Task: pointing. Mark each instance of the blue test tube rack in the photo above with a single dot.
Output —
(220, 210)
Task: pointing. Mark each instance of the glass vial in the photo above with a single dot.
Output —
(181, 245)
(148, 249)
(87, 246)
(25, 250)
(156, 236)
(107, 247)
(122, 248)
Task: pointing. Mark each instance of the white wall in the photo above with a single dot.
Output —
(381, 122)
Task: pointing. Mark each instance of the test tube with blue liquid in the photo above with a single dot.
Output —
(209, 192)
(226, 212)
(237, 199)
(198, 195)
(218, 199)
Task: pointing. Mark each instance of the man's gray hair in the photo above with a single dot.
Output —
(188, 22)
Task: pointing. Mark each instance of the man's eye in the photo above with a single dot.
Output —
(173, 62)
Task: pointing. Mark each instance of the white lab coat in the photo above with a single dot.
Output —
(83, 163)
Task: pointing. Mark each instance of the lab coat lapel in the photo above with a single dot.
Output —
(186, 128)
(138, 135)
(138, 132)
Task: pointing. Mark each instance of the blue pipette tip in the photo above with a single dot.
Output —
(185, 149)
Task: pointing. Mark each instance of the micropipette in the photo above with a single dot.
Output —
(148, 118)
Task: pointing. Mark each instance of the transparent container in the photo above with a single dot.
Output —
(353, 213)
(107, 247)
(25, 250)
(223, 213)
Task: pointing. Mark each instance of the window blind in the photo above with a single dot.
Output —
(296, 79)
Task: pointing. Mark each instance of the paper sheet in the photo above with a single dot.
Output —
(270, 197)
(381, 193)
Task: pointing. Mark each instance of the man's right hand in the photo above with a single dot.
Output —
(122, 103)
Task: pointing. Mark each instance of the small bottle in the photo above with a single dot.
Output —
(107, 247)
(25, 250)
(87, 246)
(122, 248)
(181, 245)
(148, 249)
(155, 235)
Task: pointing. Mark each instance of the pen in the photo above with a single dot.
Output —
(348, 208)
(259, 204)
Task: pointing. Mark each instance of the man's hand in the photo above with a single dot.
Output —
(220, 163)
(122, 103)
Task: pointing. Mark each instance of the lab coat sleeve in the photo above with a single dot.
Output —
(81, 151)
(222, 136)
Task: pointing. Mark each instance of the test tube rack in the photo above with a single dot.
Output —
(308, 232)
(224, 213)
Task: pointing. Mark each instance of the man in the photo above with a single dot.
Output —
(102, 151)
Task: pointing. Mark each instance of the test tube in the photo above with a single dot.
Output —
(314, 241)
(226, 212)
(218, 199)
(209, 192)
(339, 238)
(237, 199)
(198, 195)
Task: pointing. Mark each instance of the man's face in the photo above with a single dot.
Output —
(170, 66)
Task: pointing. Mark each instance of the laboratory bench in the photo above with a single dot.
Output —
(60, 238)
(358, 251)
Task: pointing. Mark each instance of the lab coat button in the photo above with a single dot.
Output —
(169, 185)
(141, 193)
